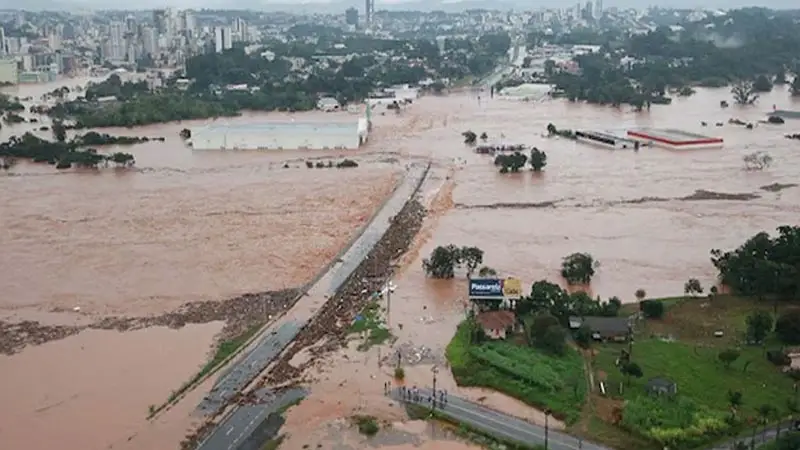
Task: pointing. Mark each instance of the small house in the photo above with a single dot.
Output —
(496, 324)
(603, 328)
(328, 104)
(661, 386)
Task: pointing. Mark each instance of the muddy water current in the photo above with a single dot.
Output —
(187, 226)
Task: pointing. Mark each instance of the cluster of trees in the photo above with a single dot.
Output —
(578, 268)
(763, 266)
(550, 298)
(444, 260)
(343, 164)
(513, 162)
(761, 324)
(754, 44)
(59, 153)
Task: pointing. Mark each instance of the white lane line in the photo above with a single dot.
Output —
(229, 432)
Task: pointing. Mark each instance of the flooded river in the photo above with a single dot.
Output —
(207, 225)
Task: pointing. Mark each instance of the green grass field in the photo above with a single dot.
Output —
(371, 327)
(522, 372)
(682, 348)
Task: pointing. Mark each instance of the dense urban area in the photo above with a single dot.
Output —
(714, 366)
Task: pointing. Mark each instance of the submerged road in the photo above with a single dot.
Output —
(500, 425)
(278, 336)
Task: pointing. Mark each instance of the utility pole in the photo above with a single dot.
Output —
(546, 428)
(435, 370)
(389, 303)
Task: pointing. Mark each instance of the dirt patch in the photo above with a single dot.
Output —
(238, 313)
(702, 194)
(607, 409)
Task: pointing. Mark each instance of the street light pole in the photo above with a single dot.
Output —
(389, 303)
(546, 428)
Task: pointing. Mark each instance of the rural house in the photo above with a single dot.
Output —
(496, 324)
(661, 386)
(603, 328)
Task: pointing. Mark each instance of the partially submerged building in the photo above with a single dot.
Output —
(286, 135)
(675, 139)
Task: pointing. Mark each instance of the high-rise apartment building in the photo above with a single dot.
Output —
(149, 41)
(240, 31)
(116, 48)
(222, 39)
(160, 19)
(369, 11)
(351, 16)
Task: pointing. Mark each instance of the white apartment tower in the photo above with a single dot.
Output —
(116, 47)
(222, 39)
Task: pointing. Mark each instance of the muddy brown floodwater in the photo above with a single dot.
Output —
(207, 225)
(650, 217)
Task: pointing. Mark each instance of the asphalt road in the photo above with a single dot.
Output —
(254, 362)
(241, 424)
(238, 425)
(500, 425)
(760, 438)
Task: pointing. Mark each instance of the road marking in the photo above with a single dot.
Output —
(229, 432)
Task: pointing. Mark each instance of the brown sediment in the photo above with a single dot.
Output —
(777, 187)
(547, 204)
(702, 194)
(238, 313)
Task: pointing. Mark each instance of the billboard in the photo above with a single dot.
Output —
(485, 288)
(512, 288)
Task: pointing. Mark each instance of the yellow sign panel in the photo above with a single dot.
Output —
(512, 288)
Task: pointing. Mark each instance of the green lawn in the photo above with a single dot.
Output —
(522, 372)
(682, 348)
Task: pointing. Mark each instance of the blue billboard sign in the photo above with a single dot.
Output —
(485, 288)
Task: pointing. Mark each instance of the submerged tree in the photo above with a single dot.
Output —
(757, 161)
(510, 162)
(469, 137)
(744, 93)
(578, 268)
(538, 159)
(442, 262)
(692, 287)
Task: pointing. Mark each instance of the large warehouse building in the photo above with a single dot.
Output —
(289, 135)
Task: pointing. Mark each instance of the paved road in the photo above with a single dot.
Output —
(761, 437)
(285, 329)
(238, 376)
(500, 425)
(243, 422)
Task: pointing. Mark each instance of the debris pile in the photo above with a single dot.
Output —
(238, 313)
(411, 355)
(332, 322)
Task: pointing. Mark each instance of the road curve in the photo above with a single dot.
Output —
(498, 424)
(284, 330)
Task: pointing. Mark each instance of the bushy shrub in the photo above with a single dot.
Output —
(778, 357)
(653, 309)
(675, 422)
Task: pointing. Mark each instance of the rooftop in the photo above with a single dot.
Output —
(496, 320)
(288, 126)
(603, 325)
(672, 134)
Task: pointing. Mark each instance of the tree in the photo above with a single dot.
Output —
(578, 268)
(795, 87)
(744, 93)
(538, 159)
(653, 309)
(472, 257)
(186, 134)
(692, 287)
(469, 137)
(59, 131)
(545, 332)
(510, 162)
(631, 369)
(640, 294)
(484, 136)
(734, 399)
(551, 129)
(780, 76)
(728, 357)
(762, 84)
(442, 262)
(787, 327)
(759, 325)
(486, 271)
(757, 161)
(583, 336)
